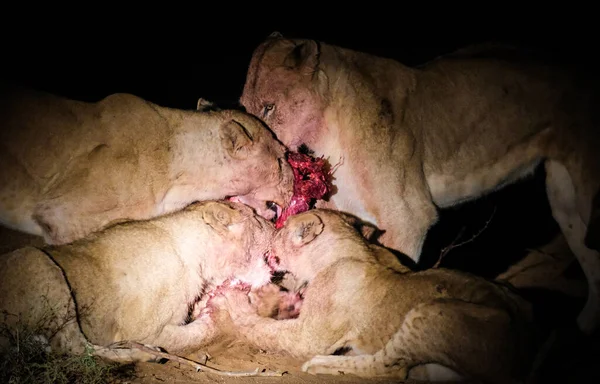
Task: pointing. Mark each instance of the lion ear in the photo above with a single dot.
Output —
(205, 105)
(309, 226)
(275, 35)
(221, 217)
(236, 139)
(369, 231)
(303, 57)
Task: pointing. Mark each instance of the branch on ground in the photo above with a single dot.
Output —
(454, 243)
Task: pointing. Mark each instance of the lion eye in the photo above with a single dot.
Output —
(268, 109)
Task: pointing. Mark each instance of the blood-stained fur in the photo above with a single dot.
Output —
(411, 140)
(70, 168)
(139, 281)
(366, 314)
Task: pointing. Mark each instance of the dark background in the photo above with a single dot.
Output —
(172, 56)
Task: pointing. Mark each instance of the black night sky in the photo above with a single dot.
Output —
(176, 55)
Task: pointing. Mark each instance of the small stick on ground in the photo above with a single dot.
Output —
(453, 244)
(197, 366)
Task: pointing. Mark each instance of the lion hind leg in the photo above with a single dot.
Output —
(565, 196)
(393, 360)
(397, 359)
(466, 339)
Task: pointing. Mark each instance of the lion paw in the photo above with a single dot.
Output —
(322, 365)
(266, 300)
(289, 305)
(202, 312)
(233, 300)
(271, 301)
(148, 355)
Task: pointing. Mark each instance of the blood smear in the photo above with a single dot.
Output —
(311, 183)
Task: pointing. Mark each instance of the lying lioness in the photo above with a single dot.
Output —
(409, 140)
(361, 303)
(70, 168)
(138, 281)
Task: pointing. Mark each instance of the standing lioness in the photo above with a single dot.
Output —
(140, 281)
(410, 140)
(362, 303)
(69, 168)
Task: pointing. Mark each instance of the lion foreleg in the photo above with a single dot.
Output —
(407, 220)
(188, 337)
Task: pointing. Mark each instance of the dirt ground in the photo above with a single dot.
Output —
(548, 269)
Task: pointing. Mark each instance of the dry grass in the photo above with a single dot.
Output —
(29, 359)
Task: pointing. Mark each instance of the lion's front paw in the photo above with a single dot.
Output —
(271, 301)
(266, 300)
(147, 354)
(234, 301)
(128, 352)
(289, 305)
(328, 365)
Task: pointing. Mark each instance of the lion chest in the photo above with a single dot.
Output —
(352, 184)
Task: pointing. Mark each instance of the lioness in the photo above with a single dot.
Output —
(138, 281)
(410, 140)
(362, 303)
(70, 168)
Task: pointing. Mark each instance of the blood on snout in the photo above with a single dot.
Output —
(312, 181)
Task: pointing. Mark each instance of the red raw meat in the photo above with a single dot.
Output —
(312, 181)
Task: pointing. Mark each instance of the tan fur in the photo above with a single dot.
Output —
(410, 140)
(386, 318)
(70, 168)
(277, 301)
(136, 281)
